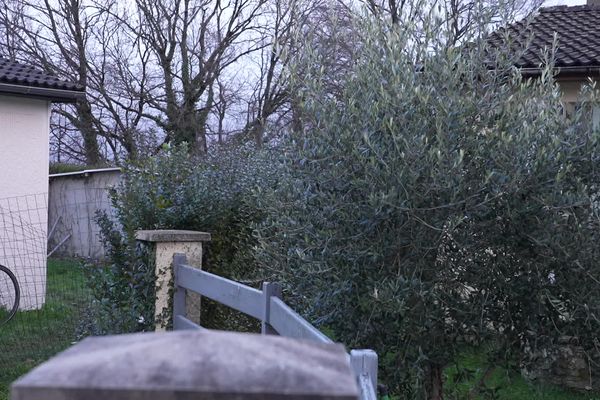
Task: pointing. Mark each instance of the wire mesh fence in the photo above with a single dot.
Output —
(23, 227)
(54, 296)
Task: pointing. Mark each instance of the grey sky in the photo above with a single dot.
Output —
(548, 3)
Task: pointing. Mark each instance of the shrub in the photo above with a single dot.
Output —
(438, 200)
(216, 194)
(61, 168)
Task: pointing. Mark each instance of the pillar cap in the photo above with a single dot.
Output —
(172, 235)
(198, 365)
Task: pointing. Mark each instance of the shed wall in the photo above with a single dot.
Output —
(74, 199)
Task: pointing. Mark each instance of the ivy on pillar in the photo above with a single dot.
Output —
(167, 243)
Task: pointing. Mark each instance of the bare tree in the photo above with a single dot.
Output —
(271, 89)
(329, 31)
(458, 20)
(191, 44)
(226, 96)
(80, 41)
(167, 70)
(465, 19)
(55, 37)
(260, 102)
(162, 70)
(11, 12)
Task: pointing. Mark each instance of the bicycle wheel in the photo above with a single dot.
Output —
(10, 295)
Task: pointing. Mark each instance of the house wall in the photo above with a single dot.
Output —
(73, 201)
(570, 89)
(24, 141)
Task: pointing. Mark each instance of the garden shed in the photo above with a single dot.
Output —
(26, 95)
(74, 199)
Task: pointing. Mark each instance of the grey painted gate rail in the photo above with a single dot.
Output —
(265, 305)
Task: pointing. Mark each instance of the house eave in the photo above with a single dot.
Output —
(49, 94)
(565, 72)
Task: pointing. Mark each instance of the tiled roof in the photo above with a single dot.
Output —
(15, 73)
(578, 33)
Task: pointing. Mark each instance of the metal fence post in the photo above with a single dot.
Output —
(269, 290)
(179, 293)
(364, 364)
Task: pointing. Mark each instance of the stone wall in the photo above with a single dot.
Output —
(566, 365)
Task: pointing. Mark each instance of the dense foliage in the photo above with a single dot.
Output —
(438, 200)
(173, 191)
(431, 198)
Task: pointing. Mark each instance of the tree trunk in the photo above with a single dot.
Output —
(185, 128)
(296, 116)
(130, 145)
(435, 382)
(201, 145)
(89, 134)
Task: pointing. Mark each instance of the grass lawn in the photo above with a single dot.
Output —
(509, 384)
(34, 336)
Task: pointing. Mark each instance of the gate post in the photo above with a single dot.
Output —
(269, 290)
(167, 243)
(364, 363)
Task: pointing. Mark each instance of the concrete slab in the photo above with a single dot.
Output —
(199, 365)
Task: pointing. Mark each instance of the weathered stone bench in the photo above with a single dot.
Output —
(199, 365)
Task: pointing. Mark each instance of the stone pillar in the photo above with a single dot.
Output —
(166, 244)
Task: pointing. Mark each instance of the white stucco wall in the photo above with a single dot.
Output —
(24, 141)
(570, 90)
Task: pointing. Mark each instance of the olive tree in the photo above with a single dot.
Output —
(438, 200)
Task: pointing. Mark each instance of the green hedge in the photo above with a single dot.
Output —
(217, 194)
